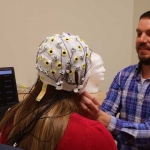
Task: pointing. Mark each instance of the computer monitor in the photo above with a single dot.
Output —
(8, 89)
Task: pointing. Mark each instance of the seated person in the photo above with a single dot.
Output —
(48, 118)
(97, 75)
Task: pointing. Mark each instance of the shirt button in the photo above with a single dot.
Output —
(137, 119)
(140, 102)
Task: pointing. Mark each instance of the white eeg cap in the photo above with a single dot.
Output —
(63, 60)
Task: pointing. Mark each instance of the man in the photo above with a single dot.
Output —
(129, 95)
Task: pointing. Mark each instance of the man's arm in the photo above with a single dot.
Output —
(121, 129)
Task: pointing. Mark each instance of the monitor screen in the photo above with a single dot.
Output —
(8, 90)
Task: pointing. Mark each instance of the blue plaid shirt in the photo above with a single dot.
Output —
(130, 97)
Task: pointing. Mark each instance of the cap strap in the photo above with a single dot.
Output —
(42, 93)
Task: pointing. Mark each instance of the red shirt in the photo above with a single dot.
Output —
(3, 134)
(84, 134)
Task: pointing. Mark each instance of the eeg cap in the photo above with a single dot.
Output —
(63, 60)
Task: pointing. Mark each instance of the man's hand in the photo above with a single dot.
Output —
(90, 106)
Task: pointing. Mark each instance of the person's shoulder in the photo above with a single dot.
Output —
(125, 72)
(82, 133)
(129, 68)
(92, 126)
(83, 120)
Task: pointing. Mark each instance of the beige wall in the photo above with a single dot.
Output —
(139, 8)
(105, 25)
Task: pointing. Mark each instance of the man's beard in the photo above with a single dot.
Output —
(144, 61)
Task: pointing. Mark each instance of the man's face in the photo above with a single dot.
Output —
(143, 41)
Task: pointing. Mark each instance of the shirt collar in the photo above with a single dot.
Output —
(139, 68)
(138, 71)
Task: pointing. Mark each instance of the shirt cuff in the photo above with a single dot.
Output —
(112, 125)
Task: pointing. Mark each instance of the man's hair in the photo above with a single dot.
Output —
(145, 15)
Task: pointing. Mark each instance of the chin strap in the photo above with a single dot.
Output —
(42, 93)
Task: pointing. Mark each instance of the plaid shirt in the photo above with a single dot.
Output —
(130, 97)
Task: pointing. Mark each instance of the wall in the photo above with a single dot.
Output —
(105, 25)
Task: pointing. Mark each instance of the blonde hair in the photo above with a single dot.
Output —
(40, 125)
